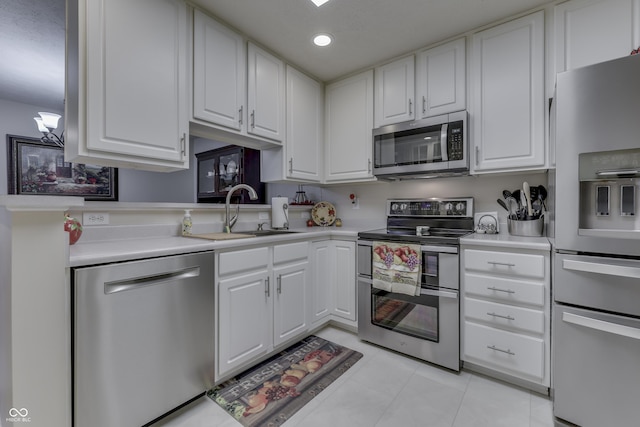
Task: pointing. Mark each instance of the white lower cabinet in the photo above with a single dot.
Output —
(262, 302)
(506, 312)
(334, 282)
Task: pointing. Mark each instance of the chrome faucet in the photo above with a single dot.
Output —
(228, 221)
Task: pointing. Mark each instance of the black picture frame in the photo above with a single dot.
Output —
(37, 167)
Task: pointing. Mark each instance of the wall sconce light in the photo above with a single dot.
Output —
(47, 123)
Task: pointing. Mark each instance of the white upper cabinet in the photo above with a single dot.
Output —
(508, 106)
(301, 157)
(126, 100)
(441, 80)
(592, 31)
(219, 79)
(348, 126)
(266, 94)
(395, 92)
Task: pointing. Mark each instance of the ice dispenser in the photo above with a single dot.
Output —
(608, 181)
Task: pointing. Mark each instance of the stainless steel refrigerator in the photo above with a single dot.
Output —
(596, 267)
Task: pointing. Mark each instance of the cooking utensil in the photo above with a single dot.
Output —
(526, 192)
(542, 195)
(506, 194)
(503, 204)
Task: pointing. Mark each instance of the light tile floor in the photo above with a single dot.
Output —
(387, 389)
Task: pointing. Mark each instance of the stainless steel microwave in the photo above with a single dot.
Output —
(425, 148)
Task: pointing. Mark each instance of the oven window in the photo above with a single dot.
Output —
(410, 315)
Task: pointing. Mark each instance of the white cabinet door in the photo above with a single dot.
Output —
(244, 319)
(395, 92)
(321, 281)
(441, 79)
(301, 157)
(592, 31)
(219, 78)
(290, 317)
(266, 94)
(344, 266)
(126, 101)
(349, 122)
(507, 75)
(304, 126)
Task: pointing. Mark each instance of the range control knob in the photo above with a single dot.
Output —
(394, 207)
(460, 207)
(448, 207)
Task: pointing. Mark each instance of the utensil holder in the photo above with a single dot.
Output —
(528, 228)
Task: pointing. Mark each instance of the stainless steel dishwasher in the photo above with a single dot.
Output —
(143, 338)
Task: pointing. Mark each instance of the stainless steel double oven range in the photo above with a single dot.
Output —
(425, 326)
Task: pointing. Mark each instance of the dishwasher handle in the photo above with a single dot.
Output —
(149, 280)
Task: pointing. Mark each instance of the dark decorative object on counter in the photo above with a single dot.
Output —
(37, 167)
(222, 168)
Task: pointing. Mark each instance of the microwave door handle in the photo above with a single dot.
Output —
(444, 142)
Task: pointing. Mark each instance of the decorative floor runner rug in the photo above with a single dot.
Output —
(270, 393)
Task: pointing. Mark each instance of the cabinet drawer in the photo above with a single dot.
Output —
(290, 252)
(510, 316)
(505, 290)
(504, 350)
(512, 264)
(243, 260)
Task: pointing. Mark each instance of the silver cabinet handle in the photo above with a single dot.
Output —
(280, 284)
(267, 291)
(508, 351)
(508, 291)
(240, 112)
(291, 165)
(253, 119)
(183, 144)
(501, 316)
(477, 154)
(154, 279)
(369, 166)
(410, 106)
(506, 264)
(424, 105)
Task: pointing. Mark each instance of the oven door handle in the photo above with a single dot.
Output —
(440, 249)
(444, 294)
(601, 325)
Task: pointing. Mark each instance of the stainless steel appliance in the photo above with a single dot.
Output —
(434, 146)
(425, 326)
(596, 314)
(143, 338)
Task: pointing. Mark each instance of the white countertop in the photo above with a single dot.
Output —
(100, 252)
(506, 240)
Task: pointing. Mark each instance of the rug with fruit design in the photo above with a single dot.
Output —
(270, 393)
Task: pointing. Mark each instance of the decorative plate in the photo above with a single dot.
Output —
(323, 214)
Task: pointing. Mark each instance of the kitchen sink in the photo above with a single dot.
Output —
(245, 234)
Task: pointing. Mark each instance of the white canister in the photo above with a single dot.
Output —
(279, 212)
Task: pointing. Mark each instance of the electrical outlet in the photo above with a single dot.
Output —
(355, 204)
(263, 215)
(95, 218)
(305, 215)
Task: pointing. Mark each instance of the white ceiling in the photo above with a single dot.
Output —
(366, 32)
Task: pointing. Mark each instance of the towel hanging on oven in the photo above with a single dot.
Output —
(396, 267)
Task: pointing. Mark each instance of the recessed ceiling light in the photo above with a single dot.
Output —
(319, 2)
(322, 40)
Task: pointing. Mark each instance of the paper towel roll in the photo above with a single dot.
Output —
(279, 212)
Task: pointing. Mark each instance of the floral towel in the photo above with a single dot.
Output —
(396, 267)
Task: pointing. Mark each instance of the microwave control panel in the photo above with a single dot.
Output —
(455, 141)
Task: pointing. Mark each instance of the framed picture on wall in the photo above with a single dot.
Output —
(37, 167)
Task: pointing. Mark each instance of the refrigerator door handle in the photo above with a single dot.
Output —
(601, 268)
(601, 325)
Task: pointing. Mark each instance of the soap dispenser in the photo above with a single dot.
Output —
(186, 223)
